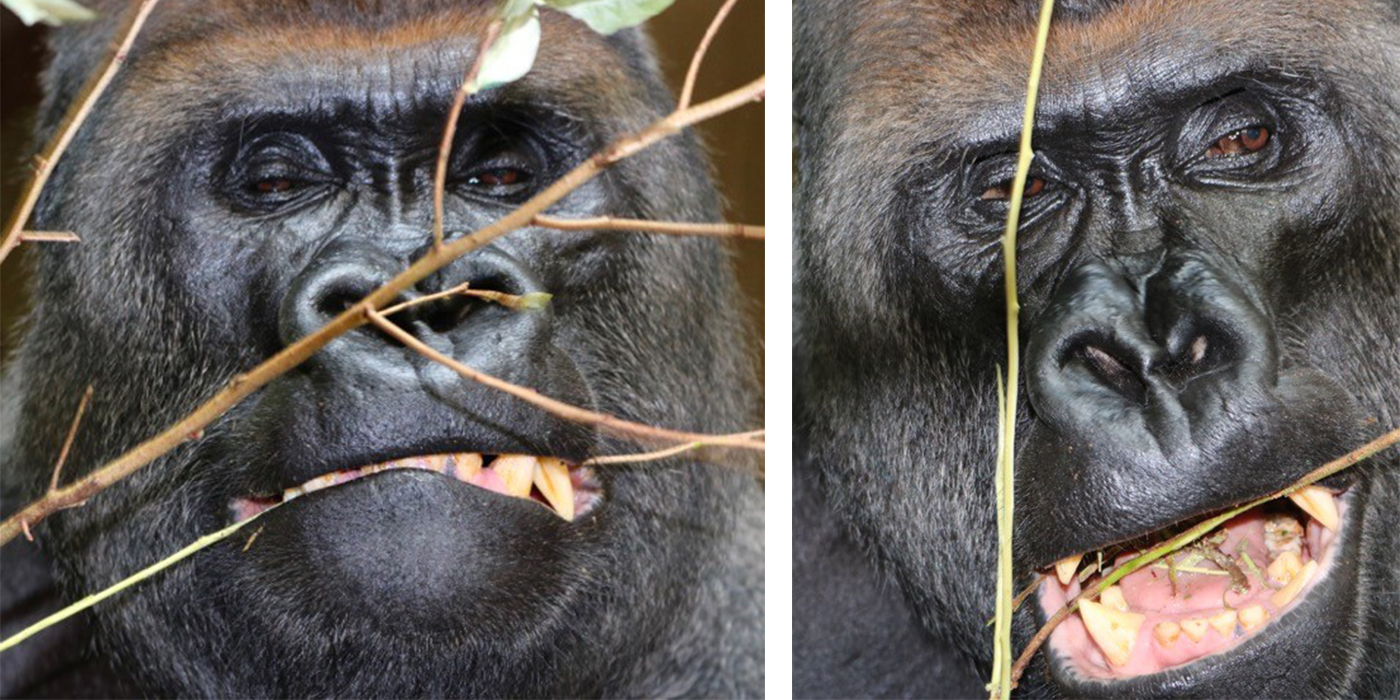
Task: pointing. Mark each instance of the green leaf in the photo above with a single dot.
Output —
(512, 54)
(50, 12)
(608, 16)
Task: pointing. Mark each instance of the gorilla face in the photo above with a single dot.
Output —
(1210, 304)
(257, 168)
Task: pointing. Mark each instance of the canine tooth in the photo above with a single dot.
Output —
(1224, 623)
(1166, 632)
(1113, 598)
(1065, 568)
(468, 465)
(1113, 630)
(517, 471)
(1319, 503)
(1253, 616)
(552, 479)
(1195, 628)
(1285, 595)
(1285, 567)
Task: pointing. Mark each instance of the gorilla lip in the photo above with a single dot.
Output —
(566, 489)
(1203, 600)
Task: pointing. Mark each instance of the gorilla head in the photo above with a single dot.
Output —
(256, 167)
(1211, 308)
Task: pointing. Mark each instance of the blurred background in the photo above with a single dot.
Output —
(735, 140)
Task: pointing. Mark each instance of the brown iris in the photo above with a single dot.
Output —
(496, 177)
(1238, 143)
(273, 185)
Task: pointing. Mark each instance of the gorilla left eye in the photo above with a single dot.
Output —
(498, 177)
(275, 185)
(1241, 142)
(1002, 190)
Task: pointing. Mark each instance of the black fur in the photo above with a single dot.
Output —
(399, 585)
(907, 113)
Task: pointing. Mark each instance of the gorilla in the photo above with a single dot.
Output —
(1209, 273)
(256, 167)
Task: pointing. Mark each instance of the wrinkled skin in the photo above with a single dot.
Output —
(198, 261)
(1138, 241)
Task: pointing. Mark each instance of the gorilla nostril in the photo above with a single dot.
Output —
(1113, 372)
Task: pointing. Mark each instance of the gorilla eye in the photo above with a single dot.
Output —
(274, 185)
(498, 177)
(1241, 142)
(1002, 191)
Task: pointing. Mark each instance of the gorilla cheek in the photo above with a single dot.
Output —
(414, 553)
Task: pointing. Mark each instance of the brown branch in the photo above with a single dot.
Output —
(49, 237)
(68, 441)
(244, 384)
(74, 119)
(1365, 451)
(445, 148)
(673, 227)
(514, 302)
(663, 454)
(608, 423)
(689, 87)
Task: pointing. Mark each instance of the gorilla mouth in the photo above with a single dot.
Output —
(1203, 600)
(568, 490)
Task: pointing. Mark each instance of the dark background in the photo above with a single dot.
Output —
(735, 140)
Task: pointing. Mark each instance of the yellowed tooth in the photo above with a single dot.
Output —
(517, 471)
(1285, 567)
(1113, 630)
(1166, 632)
(1224, 622)
(1285, 595)
(318, 483)
(468, 465)
(552, 479)
(1253, 616)
(1195, 628)
(291, 493)
(1065, 568)
(1319, 503)
(1113, 598)
(437, 463)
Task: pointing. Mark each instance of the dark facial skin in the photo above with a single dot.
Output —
(255, 168)
(1203, 170)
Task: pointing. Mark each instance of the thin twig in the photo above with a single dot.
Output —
(514, 302)
(445, 148)
(611, 424)
(688, 88)
(68, 441)
(49, 237)
(681, 228)
(662, 454)
(292, 355)
(67, 129)
(1190, 535)
(999, 686)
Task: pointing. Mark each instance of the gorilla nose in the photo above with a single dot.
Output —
(469, 328)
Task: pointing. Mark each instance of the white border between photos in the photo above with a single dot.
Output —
(778, 350)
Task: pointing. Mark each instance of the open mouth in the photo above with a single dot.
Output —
(1203, 600)
(568, 490)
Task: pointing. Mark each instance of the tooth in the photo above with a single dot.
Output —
(552, 479)
(318, 483)
(1285, 567)
(517, 471)
(1113, 598)
(1195, 628)
(1114, 631)
(1319, 503)
(1065, 568)
(468, 465)
(1224, 623)
(1283, 533)
(291, 493)
(437, 463)
(1285, 595)
(1166, 632)
(1253, 616)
